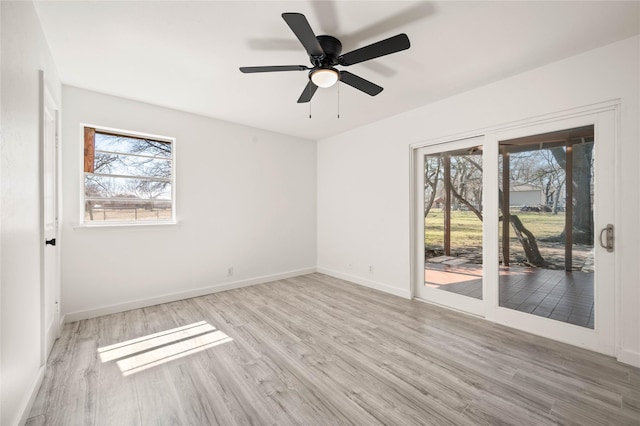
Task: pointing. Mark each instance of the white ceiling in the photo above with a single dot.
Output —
(185, 55)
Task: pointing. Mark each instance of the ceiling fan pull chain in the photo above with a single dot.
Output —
(309, 91)
(338, 100)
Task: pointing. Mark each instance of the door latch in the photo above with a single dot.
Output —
(608, 243)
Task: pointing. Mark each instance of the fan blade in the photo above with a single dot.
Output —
(301, 28)
(385, 47)
(274, 68)
(307, 93)
(360, 83)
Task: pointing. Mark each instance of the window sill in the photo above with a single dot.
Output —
(129, 226)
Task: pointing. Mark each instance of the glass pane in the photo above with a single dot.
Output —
(117, 187)
(130, 145)
(127, 211)
(546, 187)
(122, 164)
(453, 221)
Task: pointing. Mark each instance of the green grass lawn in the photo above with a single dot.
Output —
(466, 228)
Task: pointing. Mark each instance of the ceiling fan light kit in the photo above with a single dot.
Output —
(324, 77)
(325, 52)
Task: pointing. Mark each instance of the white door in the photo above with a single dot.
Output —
(529, 251)
(51, 279)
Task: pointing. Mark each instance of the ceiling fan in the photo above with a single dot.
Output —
(325, 53)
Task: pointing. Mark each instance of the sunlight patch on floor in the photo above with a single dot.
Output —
(135, 355)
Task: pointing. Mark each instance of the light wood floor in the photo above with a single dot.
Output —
(316, 350)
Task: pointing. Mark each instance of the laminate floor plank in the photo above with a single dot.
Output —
(446, 345)
(236, 374)
(58, 366)
(115, 391)
(367, 346)
(547, 401)
(69, 391)
(361, 364)
(631, 400)
(294, 362)
(317, 350)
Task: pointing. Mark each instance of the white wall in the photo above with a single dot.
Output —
(24, 53)
(363, 175)
(1, 157)
(245, 198)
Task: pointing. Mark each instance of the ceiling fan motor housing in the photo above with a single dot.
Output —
(332, 49)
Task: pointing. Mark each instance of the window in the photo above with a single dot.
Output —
(128, 178)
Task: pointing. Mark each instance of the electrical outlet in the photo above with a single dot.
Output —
(230, 271)
(371, 269)
(57, 307)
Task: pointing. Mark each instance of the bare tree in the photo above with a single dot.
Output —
(129, 168)
(432, 172)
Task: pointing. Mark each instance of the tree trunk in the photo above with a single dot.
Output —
(582, 202)
(466, 203)
(90, 209)
(433, 184)
(428, 203)
(556, 198)
(528, 242)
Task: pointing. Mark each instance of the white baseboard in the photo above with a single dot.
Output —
(629, 357)
(172, 297)
(406, 293)
(30, 398)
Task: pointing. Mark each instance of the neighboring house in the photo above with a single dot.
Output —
(524, 194)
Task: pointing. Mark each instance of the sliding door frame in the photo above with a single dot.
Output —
(605, 117)
(434, 295)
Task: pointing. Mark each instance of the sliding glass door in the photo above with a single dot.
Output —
(547, 187)
(450, 224)
(517, 226)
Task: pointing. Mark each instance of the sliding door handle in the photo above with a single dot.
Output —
(608, 243)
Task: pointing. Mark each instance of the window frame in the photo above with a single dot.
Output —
(83, 166)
